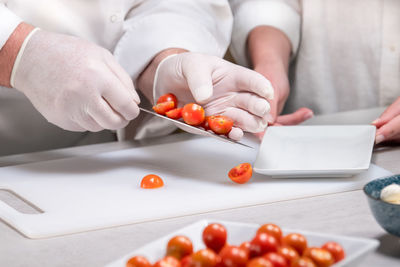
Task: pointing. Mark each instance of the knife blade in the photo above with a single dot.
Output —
(194, 130)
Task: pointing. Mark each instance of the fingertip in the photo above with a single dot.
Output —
(379, 138)
(236, 134)
(202, 94)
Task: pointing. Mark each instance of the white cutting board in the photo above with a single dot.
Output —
(87, 193)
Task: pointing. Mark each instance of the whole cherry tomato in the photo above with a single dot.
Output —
(303, 262)
(289, 253)
(259, 262)
(167, 98)
(175, 113)
(246, 246)
(151, 181)
(263, 243)
(205, 124)
(168, 261)
(296, 241)
(138, 261)
(204, 258)
(179, 247)
(335, 249)
(220, 124)
(193, 114)
(214, 236)
(276, 259)
(271, 229)
(241, 173)
(232, 256)
(186, 261)
(320, 256)
(163, 107)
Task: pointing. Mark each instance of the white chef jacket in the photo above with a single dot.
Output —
(346, 52)
(135, 30)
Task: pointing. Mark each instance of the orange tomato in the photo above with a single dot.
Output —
(175, 113)
(271, 229)
(320, 256)
(335, 249)
(193, 114)
(296, 241)
(179, 247)
(241, 173)
(220, 124)
(138, 261)
(163, 107)
(151, 181)
(167, 98)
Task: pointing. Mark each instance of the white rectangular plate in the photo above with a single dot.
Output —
(355, 248)
(315, 151)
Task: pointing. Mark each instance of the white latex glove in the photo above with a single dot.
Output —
(75, 84)
(221, 87)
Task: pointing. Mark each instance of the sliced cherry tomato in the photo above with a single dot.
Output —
(276, 259)
(168, 261)
(205, 124)
(138, 261)
(162, 108)
(296, 241)
(151, 181)
(303, 262)
(232, 256)
(241, 173)
(321, 257)
(335, 249)
(167, 98)
(220, 124)
(193, 114)
(263, 243)
(204, 258)
(179, 247)
(175, 113)
(289, 253)
(259, 262)
(271, 229)
(214, 236)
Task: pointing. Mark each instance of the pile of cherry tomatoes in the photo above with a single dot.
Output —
(192, 114)
(268, 248)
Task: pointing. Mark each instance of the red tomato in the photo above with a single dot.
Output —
(151, 181)
(167, 98)
(204, 258)
(320, 256)
(303, 262)
(186, 261)
(232, 256)
(246, 246)
(138, 261)
(214, 236)
(241, 173)
(179, 247)
(162, 108)
(289, 253)
(296, 241)
(263, 243)
(220, 124)
(193, 114)
(259, 262)
(335, 249)
(205, 124)
(276, 259)
(271, 229)
(175, 113)
(167, 262)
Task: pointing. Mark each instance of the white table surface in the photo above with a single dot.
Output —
(343, 213)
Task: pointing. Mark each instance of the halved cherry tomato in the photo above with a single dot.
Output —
(335, 249)
(168, 97)
(151, 181)
(289, 253)
(271, 229)
(232, 256)
(241, 173)
(168, 261)
(214, 236)
(259, 262)
(193, 114)
(179, 247)
(303, 262)
(321, 257)
(296, 241)
(138, 261)
(204, 258)
(163, 107)
(276, 259)
(220, 124)
(263, 243)
(175, 113)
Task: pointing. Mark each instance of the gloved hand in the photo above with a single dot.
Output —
(75, 84)
(221, 87)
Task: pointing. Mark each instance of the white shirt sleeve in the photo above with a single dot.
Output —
(248, 14)
(199, 26)
(8, 22)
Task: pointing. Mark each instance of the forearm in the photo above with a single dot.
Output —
(145, 80)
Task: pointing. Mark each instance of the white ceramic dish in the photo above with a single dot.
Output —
(355, 248)
(315, 151)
